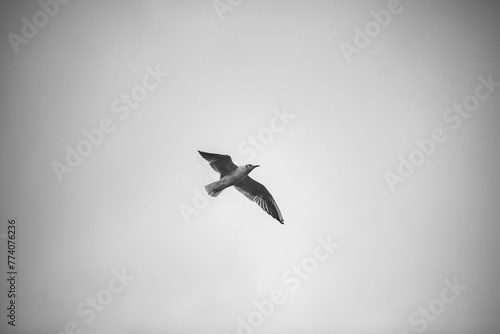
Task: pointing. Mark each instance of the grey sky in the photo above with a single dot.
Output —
(123, 207)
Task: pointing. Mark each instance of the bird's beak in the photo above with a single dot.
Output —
(256, 166)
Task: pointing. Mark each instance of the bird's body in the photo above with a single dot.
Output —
(228, 180)
(237, 176)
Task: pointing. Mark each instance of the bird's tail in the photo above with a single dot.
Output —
(214, 188)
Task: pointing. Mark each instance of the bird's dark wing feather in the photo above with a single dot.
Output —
(222, 164)
(256, 192)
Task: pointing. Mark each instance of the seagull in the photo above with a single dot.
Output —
(237, 176)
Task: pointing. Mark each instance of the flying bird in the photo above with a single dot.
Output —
(237, 176)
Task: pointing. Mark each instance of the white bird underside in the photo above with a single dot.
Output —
(232, 175)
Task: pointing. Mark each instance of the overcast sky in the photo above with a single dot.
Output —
(104, 105)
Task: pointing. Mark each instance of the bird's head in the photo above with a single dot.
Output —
(250, 167)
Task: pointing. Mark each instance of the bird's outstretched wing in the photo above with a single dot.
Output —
(256, 192)
(222, 164)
